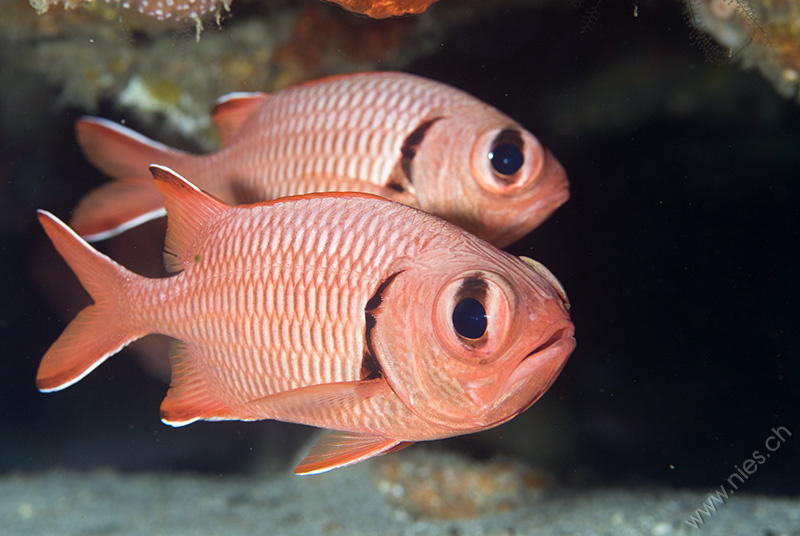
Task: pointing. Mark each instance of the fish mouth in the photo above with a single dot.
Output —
(531, 377)
(543, 363)
(553, 339)
(554, 192)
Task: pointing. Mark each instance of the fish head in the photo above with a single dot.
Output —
(482, 171)
(469, 341)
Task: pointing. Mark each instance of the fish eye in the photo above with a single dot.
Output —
(506, 161)
(506, 158)
(506, 155)
(469, 319)
(472, 315)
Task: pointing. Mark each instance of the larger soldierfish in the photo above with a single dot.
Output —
(340, 310)
(403, 137)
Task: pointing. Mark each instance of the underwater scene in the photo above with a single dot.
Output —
(400, 267)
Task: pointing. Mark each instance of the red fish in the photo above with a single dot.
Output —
(342, 310)
(402, 137)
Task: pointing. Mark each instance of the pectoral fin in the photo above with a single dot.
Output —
(340, 449)
(321, 405)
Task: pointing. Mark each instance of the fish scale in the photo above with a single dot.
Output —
(214, 298)
(403, 137)
(284, 128)
(272, 260)
(331, 310)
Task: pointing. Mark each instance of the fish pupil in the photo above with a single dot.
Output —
(506, 158)
(469, 318)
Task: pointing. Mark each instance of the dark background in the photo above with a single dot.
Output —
(678, 249)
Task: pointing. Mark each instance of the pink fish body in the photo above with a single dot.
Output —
(342, 311)
(396, 135)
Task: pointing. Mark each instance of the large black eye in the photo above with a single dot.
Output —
(506, 155)
(506, 158)
(469, 318)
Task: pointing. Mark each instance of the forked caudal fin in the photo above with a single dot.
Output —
(97, 332)
(123, 155)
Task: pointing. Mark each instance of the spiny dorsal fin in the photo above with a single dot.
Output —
(232, 110)
(188, 211)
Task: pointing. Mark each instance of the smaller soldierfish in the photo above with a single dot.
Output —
(400, 136)
(342, 311)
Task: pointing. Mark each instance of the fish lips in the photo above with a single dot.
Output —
(531, 378)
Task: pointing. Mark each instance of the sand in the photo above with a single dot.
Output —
(347, 501)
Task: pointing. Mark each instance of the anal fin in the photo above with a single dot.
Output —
(340, 449)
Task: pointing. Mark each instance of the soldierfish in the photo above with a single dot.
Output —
(340, 310)
(402, 137)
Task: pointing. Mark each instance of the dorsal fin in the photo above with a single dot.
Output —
(188, 210)
(232, 110)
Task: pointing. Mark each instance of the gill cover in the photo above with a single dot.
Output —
(452, 330)
(481, 158)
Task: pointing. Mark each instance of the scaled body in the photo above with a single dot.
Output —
(400, 136)
(337, 310)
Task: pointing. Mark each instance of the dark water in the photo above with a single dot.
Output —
(678, 249)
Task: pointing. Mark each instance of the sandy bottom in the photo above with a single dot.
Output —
(370, 498)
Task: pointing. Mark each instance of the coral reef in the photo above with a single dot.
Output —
(162, 80)
(160, 9)
(764, 34)
(174, 10)
(157, 77)
(322, 42)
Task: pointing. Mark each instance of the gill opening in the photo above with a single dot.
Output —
(402, 179)
(370, 366)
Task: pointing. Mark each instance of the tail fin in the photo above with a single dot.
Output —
(98, 331)
(124, 155)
